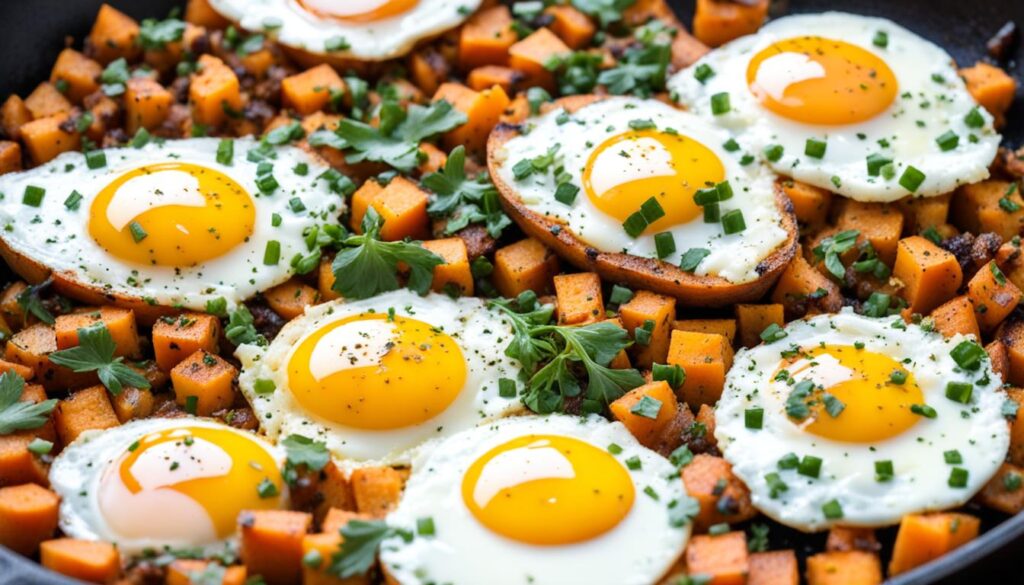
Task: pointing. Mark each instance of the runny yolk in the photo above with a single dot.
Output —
(188, 483)
(821, 81)
(375, 372)
(628, 169)
(548, 490)
(171, 214)
(874, 406)
(358, 11)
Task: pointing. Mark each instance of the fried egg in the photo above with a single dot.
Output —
(156, 483)
(856, 105)
(364, 30)
(850, 420)
(377, 377)
(543, 500)
(175, 223)
(617, 155)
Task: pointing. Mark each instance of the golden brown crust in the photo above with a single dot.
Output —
(644, 273)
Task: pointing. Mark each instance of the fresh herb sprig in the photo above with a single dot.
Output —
(396, 140)
(95, 353)
(360, 541)
(16, 414)
(463, 200)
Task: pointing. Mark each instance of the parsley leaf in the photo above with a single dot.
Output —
(463, 200)
(241, 328)
(30, 302)
(360, 541)
(17, 415)
(305, 451)
(605, 11)
(832, 247)
(155, 34)
(95, 353)
(396, 141)
(642, 69)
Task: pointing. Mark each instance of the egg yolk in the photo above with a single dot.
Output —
(358, 11)
(626, 170)
(548, 490)
(874, 406)
(376, 372)
(171, 214)
(821, 81)
(188, 483)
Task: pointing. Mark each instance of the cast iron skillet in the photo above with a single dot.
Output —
(32, 32)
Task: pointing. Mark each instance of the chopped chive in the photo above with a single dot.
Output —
(507, 388)
(775, 484)
(875, 163)
(225, 151)
(645, 124)
(74, 201)
(968, 354)
(275, 219)
(620, 295)
(296, 205)
(664, 244)
(652, 210)
(720, 103)
(959, 391)
(774, 152)
(815, 148)
(923, 410)
(33, 195)
(881, 39)
(712, 213)
(789, 461)
(911, 179)
(952, 457)
(635, 224)
(832, 510)
(614, 449)
(267, 489)
(974, 119)
(733, 222)
(692, 259)
(724, 190)
(809, 466)
(95, 159)
(674, 374)
(141, 138)
(753, 418)
(772, 333)
(703, 72)
(634, 463)
(40, 446)
(898, 377)
(138, 232)
(336, 43)
(566, 193)
(272, 253)
(731, 145)
(884, 470)
(958, 477)
(948, 141)
(425, 526)
(646, 407)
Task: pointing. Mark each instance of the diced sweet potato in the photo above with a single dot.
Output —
(434, 161)
(486, 37)
(993, 296)
(401, 204)
(85, 410)
(22, 370)
(376, 490)
(1011, 333)
(483, 110)
(113, 35)
(572, 26)
(723, 558)
(78, 71)
(879, 223)
(176, 338)
(653, 315)
(723, 327)
(717, 23)
(10, 156)
(335, 491)
(325, 280)
(32, 347)
(326, 546)
(146, 104)
(133, 403)
(803, 290)
(271, 544)
(200, 13)
(924, 537)
(290, 298)
(810, 203)
(18, 465)
(13, 115)
(336, 519)
(956, 316)
(488, 76)
(428, 68)
(921, 213)
(1005, 491)
(621, 361)
(1016, 453)
(119, 322)
(258, 62)
(106, 114)
(96, 562)
(214, 89)
(853, 567)
(454, 275)
(976, 208)
(998, 358)
(28, 516)
(777, 567)
(530, 55)
(752, 320)
(180, 572)
(844, 538)
(310, 91)
(991, 87)
(44, 138)
(524, 265)
(204, 380)
(46, 101)
(705, 357)
(579, 298)
(704, 477)
(930, 275)
(646, 411)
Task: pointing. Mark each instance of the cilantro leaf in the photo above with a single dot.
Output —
(17, 415)
(360, 541)
(396, 141)
(605, 11)
(462, 200)
(95, 353)
(241, 328)
(305, 451)
(366, 266)
(641, 71)
(155, 34)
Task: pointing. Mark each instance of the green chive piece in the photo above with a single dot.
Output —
(664, 244)
(832, 510)
(753, 418)
(272, 253)
(733, 222)
(911, 179)
(815, 148)
(774, 152)
(703, 72)
(226, 151)
(74, 201)
(948, 141)
(720, 103)
(507, 388)
(958, 477)
(809, 466)
(138, 232)
(33, 195)
(959, 391)
(884, 470)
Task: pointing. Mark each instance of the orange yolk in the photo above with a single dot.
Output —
(358, 11)
(548, 490)
(186, 480)
(373, 372)
(821, 81)
(626, 170)
(875, 408)
(171, 214)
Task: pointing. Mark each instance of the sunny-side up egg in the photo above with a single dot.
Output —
(375, 378)
(176, 223)
(856, 105)
(620, 153)
(363, 30)
(543, 500)
(156, 483)
(850, 420)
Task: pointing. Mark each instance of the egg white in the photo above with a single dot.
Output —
(930, 92)
(58, 237)
(293, 26)
(638, 551)
(77, 471)
(977, 430)
(480, 332)
(733, 257)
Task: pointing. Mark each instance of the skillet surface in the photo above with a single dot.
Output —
(33, 32)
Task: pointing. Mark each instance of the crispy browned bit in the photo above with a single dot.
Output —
(266, 321)
(1004, 43)
(478, 241)
(973, 252)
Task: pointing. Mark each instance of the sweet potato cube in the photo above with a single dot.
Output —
(620, 361)
(376, 490)
(10, 156)
(921, 213)
(879, 223)
(993, 296)
(271, 544)
(325, 280)
(204, 380)
(723, 327)
(335, 491)
(956, 316)
(705, 357)
(113, 35)
(146, 104)
(930, 275)
(434, 161)
(572, 26)
(454, 275)
(364, 196)
(579, 298)
(524, 265)
(78, 71)
(530, 55)
(336, 519)
(1011, 333)
(810, 203)
(777, 567)
(653, 315)
(924, 537)
(214, 88)
(290, 298)
(180, 572)
(704, 477)
(989, 206)
(18, 465)
(647, 411)
(844, 538)
(854, 567)
(44, 138)
(28, 516)
(723, 558)
(1004, 492)
(46, 101)
(326, 545)
(13, 115)
(85, 410)
(401, 204)
(486, 37)
(87, 560)
(200, 13)
(991, 87)
(998, 358)
(119, 322)
(488, 76)
(22, 370)
(752, 320)
(483, 110)
(717, 23)
(310, 91)
(133, 403)
(804, 290)
(176, 338)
